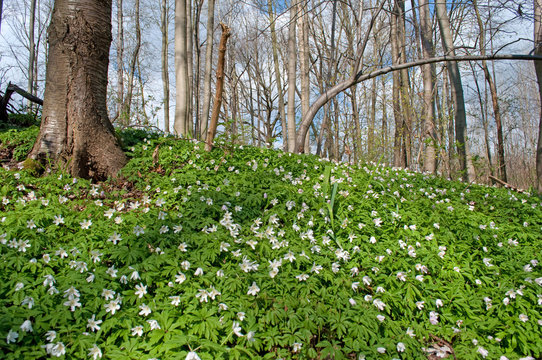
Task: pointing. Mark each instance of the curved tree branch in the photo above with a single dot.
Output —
(360, 77)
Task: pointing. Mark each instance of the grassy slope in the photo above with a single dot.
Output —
(476, 249)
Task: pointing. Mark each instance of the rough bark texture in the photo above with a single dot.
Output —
(538, 68)
(76, 131)
(165, 65)
(208, 68)
(219, 87)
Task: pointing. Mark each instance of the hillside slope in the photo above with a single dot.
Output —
(253, 253)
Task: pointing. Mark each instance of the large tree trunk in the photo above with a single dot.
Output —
(181, 69)
(165, 66)
(538, 68)
(428, 70)
(208, 69)
(76, 131)
(457, 88)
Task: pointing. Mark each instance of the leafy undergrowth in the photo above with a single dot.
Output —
(255, 253)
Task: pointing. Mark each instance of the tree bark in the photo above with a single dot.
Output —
(32, 51)
(398, 158)
(190, 70)
(219, 87)
(278, 77)
(538, 69)
(292, 59)
(127, 106)
(428, 73)
(120, 59)
(1, 11)
(181, 69)
(165, 62)
(457, 88)
(304, 65)
(494, 98)
(208, 68)
(76, 131)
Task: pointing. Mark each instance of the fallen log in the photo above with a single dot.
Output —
(4, 100)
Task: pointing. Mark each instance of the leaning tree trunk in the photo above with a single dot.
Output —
(76, 132)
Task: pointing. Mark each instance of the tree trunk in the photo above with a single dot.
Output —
(127, 107)
(278, 77)
(398, 158)
(190, 69)
(219, 87)
(494, 98)
(457, 88)
(165, 65)
(304, 65)
(208, 69)
(1, 11)
(428, 70)
(120, 59)
(292, 58)
(181, 69)
(75, 130)
(538, 68)
(32, 51)
(406, 105)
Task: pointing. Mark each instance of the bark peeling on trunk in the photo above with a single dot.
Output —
(76, 132)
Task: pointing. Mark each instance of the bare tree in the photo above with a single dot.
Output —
(219, 87)
(127, 104)
(457, 89)
(164, 26)
(276, 63)
(182, 109)
(494, 96)
(32, 51)
(120, 58)
(428, 71)
(208, 68)
(292, 60)
(538, 69)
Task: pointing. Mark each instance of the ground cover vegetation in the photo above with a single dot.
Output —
(254, 253)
